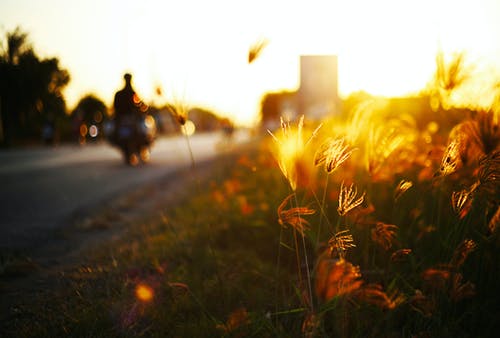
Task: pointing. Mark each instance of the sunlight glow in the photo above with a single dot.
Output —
(386, 47)
(188, 128)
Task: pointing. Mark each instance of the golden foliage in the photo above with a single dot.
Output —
(347, 199)
(373, 294)
(336, 277)
(383, 141)
(460, 202)
(293, 216)
(384, 234)
(290, 150)
(489, 178)
(340, 242)
(451, 159)
(402, 187)
(332, 153)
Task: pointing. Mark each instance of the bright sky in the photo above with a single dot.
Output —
(196, 50)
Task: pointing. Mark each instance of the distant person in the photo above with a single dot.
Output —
(126, 101)
(128, 107)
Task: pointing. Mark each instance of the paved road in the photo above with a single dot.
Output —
(41, 188)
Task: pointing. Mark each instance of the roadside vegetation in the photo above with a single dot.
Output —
(369, 226)
(380, 223)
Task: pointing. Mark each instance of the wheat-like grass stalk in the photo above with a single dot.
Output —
(332, 153)
(293, 217)
(347, 199)
(256, 49)
(180, 112)
(290, 148)
(384, 234)
(451, 158)
(402, 187)
(459, 200)
(340, 242)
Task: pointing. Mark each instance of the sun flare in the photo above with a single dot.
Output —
(385, 48)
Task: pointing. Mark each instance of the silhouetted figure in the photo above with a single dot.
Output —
(126, 101)
(134, 129)
(129, 110)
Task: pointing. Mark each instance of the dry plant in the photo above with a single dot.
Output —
(393, 155)
(384, 234)
(348, 199)
(256, 49)
(179, 111)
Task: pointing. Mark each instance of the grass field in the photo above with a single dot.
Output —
(372, 226)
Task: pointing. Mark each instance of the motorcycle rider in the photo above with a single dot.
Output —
(134, 129)
(128, 107)
(126, 102)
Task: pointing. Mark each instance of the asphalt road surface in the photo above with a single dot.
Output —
(42, 187)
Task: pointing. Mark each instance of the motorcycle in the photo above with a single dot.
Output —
(134, 136)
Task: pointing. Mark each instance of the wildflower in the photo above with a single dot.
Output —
(384, 234)
(341, 241)
(336, 278)
(293, 216)
(332, 153)
(462, 251)
(402, 187)
(347, 199)
(400, 255)
(291, 147)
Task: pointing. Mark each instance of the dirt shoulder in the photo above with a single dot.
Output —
(26, 276)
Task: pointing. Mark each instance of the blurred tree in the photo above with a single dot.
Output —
(204, 119)
(275, 104)
(31, 100)
(90, 111)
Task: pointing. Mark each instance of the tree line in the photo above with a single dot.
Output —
(30, 92)
(33, 108)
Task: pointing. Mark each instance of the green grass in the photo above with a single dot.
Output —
(219, 263)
